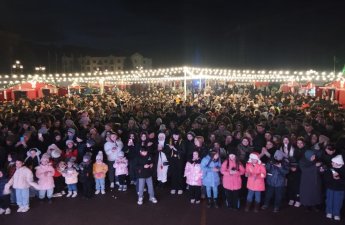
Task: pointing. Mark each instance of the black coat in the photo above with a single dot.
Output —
(310, 187)
(140, 161)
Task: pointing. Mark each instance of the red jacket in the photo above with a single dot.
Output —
(232, 178)
(256, 174)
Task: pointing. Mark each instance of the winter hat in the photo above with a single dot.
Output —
(51, 148)
(191, 133)
(99, 156)
(90, 142)
(56, 153)
(71, 130)
(69, 141)
(338, 160)
(43, 130)
(279, 155)
(254, 156)
(87, 156)
(45, 156)
(308, 154)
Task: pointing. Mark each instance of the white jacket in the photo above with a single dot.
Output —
(108, 148)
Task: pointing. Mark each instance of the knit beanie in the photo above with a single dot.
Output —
(338, 160)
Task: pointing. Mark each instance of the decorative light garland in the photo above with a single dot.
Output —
(175, 74)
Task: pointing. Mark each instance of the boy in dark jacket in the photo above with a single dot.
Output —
(143, 166)
(275, 179)
(86, 175)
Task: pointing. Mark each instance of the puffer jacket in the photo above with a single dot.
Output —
(256, 174)
(121, 166)
(210, 177)
(275, 176)
(45, 175)
(193, 173)
(232, 181)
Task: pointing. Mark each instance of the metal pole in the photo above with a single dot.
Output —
(185, 86)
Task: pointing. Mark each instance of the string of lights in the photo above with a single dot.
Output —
(175, 74)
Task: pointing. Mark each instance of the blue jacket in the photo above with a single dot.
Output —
(209, 177)
(275, 176)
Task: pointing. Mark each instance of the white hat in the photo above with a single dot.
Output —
(56, 153)
(99, 156)
(338, 160)
(254, 156)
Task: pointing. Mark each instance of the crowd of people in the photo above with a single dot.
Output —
(234, 144)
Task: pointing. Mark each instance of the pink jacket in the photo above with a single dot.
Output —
(121, 166)
(22, 178)
(232, 180)
(71, 177)
(193, 173)
(45, 176)
(256, 174)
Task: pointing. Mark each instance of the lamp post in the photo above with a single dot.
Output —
(40, 69)
(17, 67)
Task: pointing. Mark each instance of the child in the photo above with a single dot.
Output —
(45, 174)
(276, 173)
(193, 173)
(256, 173)
(143, 166)
(4, 195)
(86, 176)
(232, 170)
(210, 166)
(71, 153)
(21, 182)
(121, 170)
(71, 179)
(335, 184)
(99, 171)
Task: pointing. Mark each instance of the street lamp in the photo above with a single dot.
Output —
(40, 69)
(17, 67)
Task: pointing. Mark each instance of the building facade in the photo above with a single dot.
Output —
(89, 64)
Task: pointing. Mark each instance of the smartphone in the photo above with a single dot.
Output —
(21, 138)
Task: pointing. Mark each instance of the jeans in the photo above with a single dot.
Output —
(42, 193)
(334, 201)
(22, 196)
(72, 187)
(209, 190)
(13, 195)
(277, 192)
(256, 194)
(100, 183)
(149, 183)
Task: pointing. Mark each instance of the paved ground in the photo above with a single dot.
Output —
(121, 209)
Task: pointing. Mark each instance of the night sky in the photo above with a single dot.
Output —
(242, 34)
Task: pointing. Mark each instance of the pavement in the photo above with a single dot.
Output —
(120, 208)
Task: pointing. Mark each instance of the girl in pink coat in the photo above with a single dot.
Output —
(121, 170)
(232, 170)
(45, 174)
(193, 173)
(256, 173)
